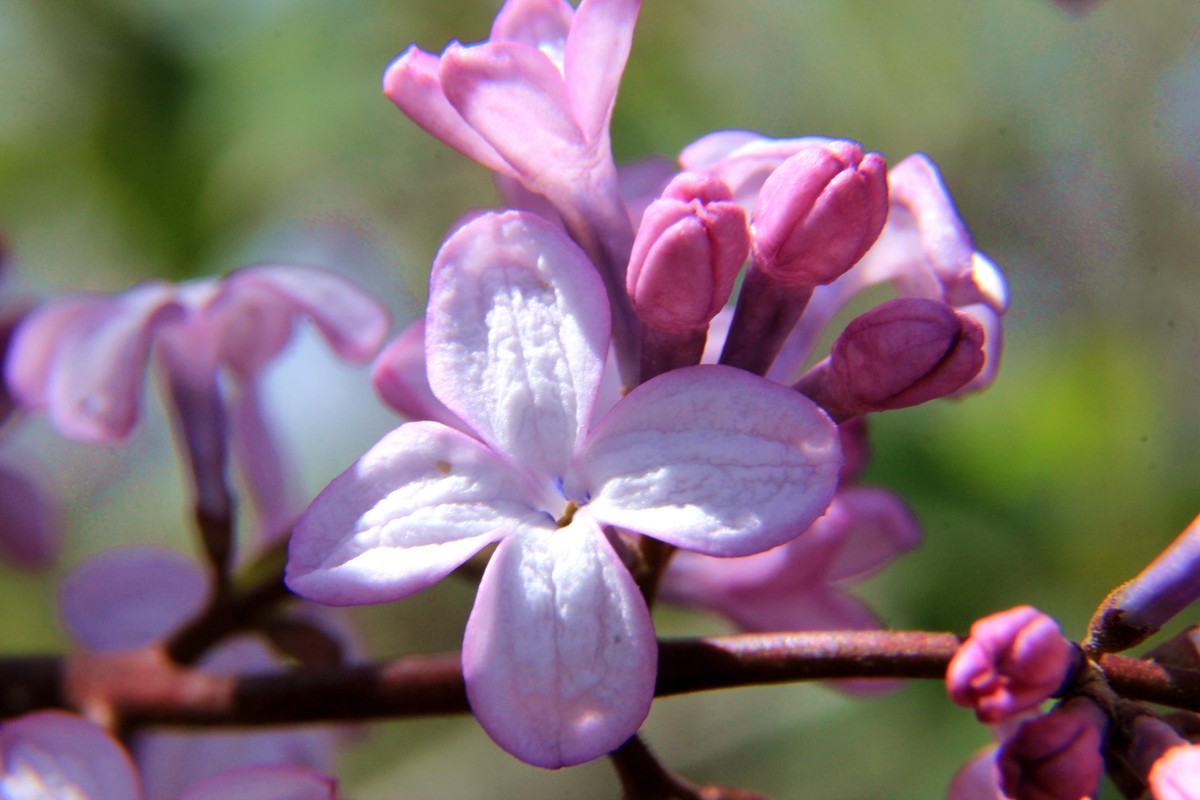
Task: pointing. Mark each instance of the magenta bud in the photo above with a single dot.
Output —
(1055, 756)
(1011, 663)
(902, 353)
(818, 213)
(688, 250)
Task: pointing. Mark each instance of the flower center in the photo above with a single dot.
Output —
(568, 514)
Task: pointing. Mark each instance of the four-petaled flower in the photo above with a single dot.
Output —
(559, 654)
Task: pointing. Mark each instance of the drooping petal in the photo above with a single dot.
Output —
(597, 49)
(517, 336)
(876, 527)
(89, 357)
(415, 506)
(559, 653)
(265, 783)
(412, 82)
(514, 97)
(52, 755)
(712, 459)
(401, 378)
(260, 462)
(351, 320)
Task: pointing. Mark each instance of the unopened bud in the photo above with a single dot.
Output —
(1011, 663)
(899, 354)
(688, 250)
(1055, 756)
(1136, 610)
(818, 213)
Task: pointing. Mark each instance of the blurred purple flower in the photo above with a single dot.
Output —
(1055, 756)
(83, 360)
(559, 653)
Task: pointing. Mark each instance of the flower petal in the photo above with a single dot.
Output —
(597, 49)
(559, 653)
(51, 754)
(516, 336)
(514, 96)
(402, 380)
(712, 459)
(415, 506)
(30, 525)
(412, 82)
(543, 24)
(130, 597)
(351, 320)
(84, 360)
(265, 783)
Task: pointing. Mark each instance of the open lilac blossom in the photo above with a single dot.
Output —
(83, 359)
(136, 596)
(1137, 609)
(801, 585)
(559, 653)
(1011, 663)
(53, 755)
(1055, 756)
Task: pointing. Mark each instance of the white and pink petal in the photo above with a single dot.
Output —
(517, 334)
(711, 459)
(52, 755)
(417, 505)
(559, 655)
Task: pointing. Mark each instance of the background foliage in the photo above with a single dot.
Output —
(179, 138)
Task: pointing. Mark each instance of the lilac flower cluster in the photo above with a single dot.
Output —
(565, 414)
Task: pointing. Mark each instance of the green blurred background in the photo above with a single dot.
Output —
(180, 138)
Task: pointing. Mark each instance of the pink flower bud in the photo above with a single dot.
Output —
(902, 353)
(1055, 756)
(1163, 759)
(688, 250)
(1011, 663)
(819, 212)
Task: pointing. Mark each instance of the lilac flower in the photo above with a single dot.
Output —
(559, 653)
(135, 596)
(53, 755)
(1011, 663)
(533, 103)
(82, 360)
(801, 585)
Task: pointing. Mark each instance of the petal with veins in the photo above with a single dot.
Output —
(415, 506)
(712, 459)
(517, 335)
(559, 653)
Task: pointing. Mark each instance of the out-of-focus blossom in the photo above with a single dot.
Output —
(802, 585)
(1055, 756)
(1011, 663)
(1136, 610)
(53, 755)
(30, 525)
(818, 213)
(689, 249)
(83, 361)
(1162, 759)
(400, 378)
(902, 353)
(559, 653)
(978, 779)
(133, 597)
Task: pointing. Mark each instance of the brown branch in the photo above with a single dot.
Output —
(146, 688)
